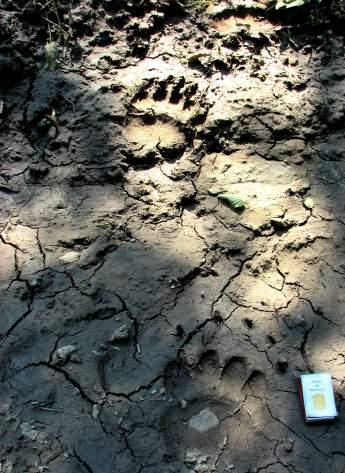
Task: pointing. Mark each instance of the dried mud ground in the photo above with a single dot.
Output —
(145, 325)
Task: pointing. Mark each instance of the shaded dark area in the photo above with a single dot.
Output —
(146, 326)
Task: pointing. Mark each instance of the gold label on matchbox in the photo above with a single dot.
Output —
(318, 397)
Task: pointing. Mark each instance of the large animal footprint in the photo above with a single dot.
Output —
(173, 97)
(217, 409)
(230, 383)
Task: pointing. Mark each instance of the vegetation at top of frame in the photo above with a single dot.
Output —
(199, 5)
(57, 15)
(293, 3)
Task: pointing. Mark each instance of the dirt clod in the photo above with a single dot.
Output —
(121, 334)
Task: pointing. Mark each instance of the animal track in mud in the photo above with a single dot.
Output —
(250, 23)
(229, 383)
(166, 108)
(172, 97)
(154, 138)
(223, 390)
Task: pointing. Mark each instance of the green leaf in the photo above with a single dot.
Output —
(308, 203)
(235, 202)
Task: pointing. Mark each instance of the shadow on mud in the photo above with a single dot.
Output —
(119, 327)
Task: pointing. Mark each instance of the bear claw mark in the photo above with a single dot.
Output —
(173, 97)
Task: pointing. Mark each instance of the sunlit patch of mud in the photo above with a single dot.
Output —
(214, 6)
(267, 190)
(251, 23)
(150, 136)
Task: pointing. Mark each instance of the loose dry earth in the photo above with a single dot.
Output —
(145, 325)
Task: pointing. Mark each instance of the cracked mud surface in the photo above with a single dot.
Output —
(146, 326)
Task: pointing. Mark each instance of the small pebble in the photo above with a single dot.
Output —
(121, 334)
(95, 411)
(63, 354)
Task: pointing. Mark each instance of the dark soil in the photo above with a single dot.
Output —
(147, 326)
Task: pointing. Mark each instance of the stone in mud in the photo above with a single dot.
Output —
(121, 334)
(204, 421)
(95, 411)
(63, 354)
(70, 257)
